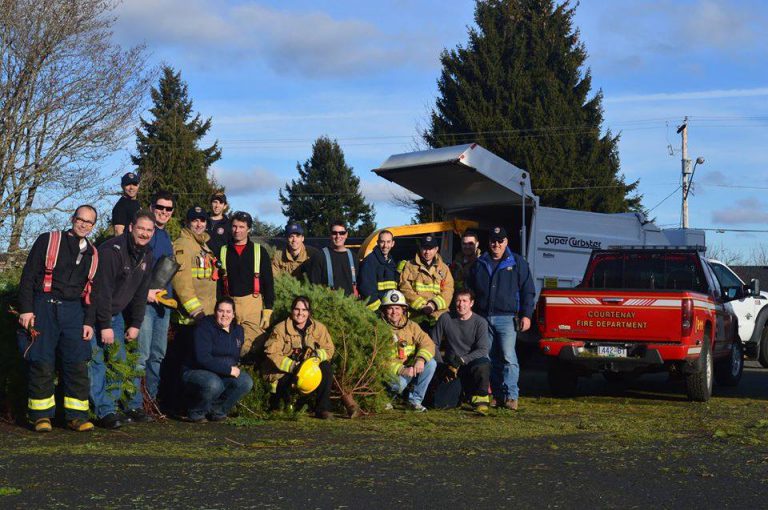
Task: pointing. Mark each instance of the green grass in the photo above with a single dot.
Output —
(9, 491)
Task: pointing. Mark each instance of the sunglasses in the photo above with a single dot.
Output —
(338, 232)
(167, 208)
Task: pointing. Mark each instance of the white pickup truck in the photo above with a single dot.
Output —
(750, 306)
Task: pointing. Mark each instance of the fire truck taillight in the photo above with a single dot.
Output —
(687, 313)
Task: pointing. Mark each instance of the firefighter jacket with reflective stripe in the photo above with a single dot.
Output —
(506, 290)
(460, 268)
(193, 283)
(68, 280)
(377, 276)
(285, 263)
(286, 344)
(410, 342)
(421, 284)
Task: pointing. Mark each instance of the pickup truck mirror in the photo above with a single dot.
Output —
(754, 287)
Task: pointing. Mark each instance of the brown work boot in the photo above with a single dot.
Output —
(80, 425)
(43, 425)
(511, 405)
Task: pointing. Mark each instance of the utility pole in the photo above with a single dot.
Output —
(683, 131)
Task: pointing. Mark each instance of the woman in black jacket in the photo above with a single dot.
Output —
(213, 382)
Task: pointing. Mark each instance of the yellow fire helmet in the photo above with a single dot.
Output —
(393, 298)
(308, 376)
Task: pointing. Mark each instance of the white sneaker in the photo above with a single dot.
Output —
(388, 406)
(418, 408)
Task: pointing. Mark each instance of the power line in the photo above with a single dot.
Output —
(664, 199)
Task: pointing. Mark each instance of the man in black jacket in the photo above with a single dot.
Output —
(335, 267)
(378, 272)
(122, 282)
(57, 321)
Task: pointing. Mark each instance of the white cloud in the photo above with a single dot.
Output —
(240, 183)
(296, 43)
(746, 211)
(687, 96)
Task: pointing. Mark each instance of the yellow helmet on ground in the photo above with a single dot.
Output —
(308, 376)
(393, 298)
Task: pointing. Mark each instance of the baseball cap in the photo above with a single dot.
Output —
(429, 241)
(196, 213)
(496, 233)
(294, 228)
(129, 178)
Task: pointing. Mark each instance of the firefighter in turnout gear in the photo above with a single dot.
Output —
(292, 342)
(247, 279)
(378, 272)
(57, 318)
(194, 286)
(427, 283)
(462, 261)
(413, 363)
(294, 259)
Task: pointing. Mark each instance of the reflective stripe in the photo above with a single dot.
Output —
(77, 405)
(223, 257)
(201, 272)
(424, 353)
(419, 303)
(322, 354)
(426, 287)
(409, 350)
(478, 399)
(41, 404)
(273, 387)
(192, 304)
(286, 364)
(440, 302)
(386, 285)
(375, 305)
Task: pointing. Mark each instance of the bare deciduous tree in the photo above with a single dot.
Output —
(69, 97)
(725, 254)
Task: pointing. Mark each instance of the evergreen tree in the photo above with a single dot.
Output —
(168, 154)
(517, 89)
(327, 190)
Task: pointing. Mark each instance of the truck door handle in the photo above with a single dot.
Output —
(612, 300)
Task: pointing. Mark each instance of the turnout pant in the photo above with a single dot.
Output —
(471, 384)
(248, 314)
(322, 394)
(60, 324)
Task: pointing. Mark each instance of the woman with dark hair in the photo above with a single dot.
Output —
(298, 353)
(213, 382)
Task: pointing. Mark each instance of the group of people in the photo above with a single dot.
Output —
(79, 304)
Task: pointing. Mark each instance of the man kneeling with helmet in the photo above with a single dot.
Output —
(413, 363)
(298, 353)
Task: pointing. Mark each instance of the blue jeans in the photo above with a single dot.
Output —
(153, 341)
(420, 383)
(505, 370)
(208, 393)
(106, 392)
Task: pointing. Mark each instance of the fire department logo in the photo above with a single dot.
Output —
(198, 210)
(131, 175)
(428, 239)
(220, 230)
(143, 266)
(497, 230)
(394, 298)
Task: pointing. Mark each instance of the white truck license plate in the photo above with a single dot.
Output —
(611, 351)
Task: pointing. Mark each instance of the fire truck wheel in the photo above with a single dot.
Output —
(729, 369)
(563, 381)
(762, 349)
(698, 385)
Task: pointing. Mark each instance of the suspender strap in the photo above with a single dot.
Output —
(51, 257)
(328, 267)
(256, 269)
(352, 267)
(91, 274)
(224, 277)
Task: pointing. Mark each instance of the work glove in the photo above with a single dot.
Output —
(198, 317)
(454, 361)
(266, 315)
(451, 373)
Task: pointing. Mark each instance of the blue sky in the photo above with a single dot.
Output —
(276, 75)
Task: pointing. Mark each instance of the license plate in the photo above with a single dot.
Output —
(611, 351)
